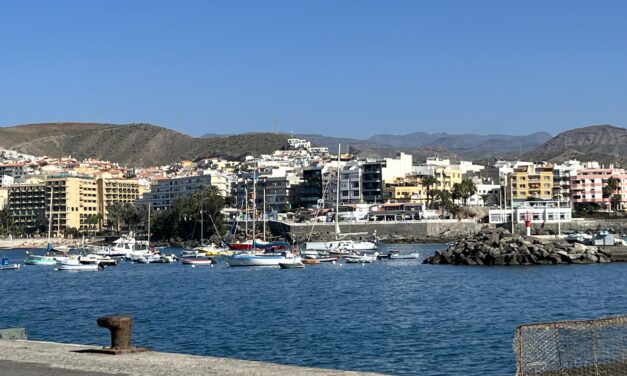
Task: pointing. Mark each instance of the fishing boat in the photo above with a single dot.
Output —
(198, 261)
(5, 265)
(103, 260)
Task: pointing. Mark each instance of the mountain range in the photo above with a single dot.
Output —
(145, 144)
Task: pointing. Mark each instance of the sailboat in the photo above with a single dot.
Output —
(340, 245)
(209, 249)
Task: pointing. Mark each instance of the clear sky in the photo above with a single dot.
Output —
(340, 68)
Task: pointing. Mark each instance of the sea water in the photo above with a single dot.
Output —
(398, 316)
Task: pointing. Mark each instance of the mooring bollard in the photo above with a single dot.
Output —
(121, 328)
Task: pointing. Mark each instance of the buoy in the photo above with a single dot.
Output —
(193, 266)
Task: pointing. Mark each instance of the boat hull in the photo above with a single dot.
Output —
(257, 260)
(192, 261)
(291, 265)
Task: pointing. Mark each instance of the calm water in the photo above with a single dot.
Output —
(399, 317)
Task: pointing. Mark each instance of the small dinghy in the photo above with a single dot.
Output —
(5, 265)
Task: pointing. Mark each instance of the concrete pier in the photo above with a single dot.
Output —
(35, 358)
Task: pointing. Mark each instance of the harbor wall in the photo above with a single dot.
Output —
(386, 231)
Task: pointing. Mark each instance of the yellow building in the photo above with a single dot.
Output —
(446, 177)
(532, 182)
(27, 203)
(405, 189)
(73, 200)
(116, 190)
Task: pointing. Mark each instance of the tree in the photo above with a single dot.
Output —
(463, 191)
(115, 215)
(454, 210)
(444, 200)
(92, 222)
(6, 221)
(427, 182)
(615, 202)
(609, 189)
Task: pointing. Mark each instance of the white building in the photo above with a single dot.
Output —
(397, 167)
(536, 211)
(165, 192)
(490, 191)
(298, 143)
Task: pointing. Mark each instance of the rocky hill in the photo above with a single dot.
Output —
(604, 143)
(130, 144)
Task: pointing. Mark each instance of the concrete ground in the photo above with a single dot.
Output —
(34, 358)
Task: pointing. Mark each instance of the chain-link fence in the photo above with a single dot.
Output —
(572, 348)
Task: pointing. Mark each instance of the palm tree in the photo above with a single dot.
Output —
(428, 181)
(115, 215)
(444, 198)
(6, 220)
(609, 189)
(464, 190)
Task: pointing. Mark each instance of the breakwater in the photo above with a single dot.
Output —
(500, 247)
(387, 232)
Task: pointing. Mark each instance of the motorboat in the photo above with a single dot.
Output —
(361, 258)
(156, 258)
(102, 260)
(198, 261)
(338, 246)
(78, 264)
(397, 255)
(43, 259)
(5, 265)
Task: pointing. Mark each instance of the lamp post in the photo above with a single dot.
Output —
(559, 215)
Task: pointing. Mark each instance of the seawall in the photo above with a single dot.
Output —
(415, 231)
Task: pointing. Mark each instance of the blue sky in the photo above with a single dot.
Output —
(341, 68)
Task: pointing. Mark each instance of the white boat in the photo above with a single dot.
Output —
(103, 260)
(256, 259)
(5, 265)
(361, 258)
(198, 261)
(342, 244)
(156, 258)
(406, 256)
(77, 264)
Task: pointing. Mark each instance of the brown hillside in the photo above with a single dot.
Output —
(132, 144)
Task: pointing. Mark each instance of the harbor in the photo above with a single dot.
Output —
(389, 316)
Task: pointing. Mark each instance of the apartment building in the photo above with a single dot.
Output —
(405, 189)
(532, 182)
(166, 191)
(74, 199)
(27, 203)
(116, 190)
(588, 183)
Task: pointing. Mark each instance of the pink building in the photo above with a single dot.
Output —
(587, 185)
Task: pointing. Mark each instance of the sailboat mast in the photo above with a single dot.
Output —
(202, 228)
(50, 216)
(254, 203)
(149, 205)
(264, 214)
(246, 211)
(337, 193)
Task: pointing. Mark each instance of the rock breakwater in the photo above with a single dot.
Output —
(499, 247)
